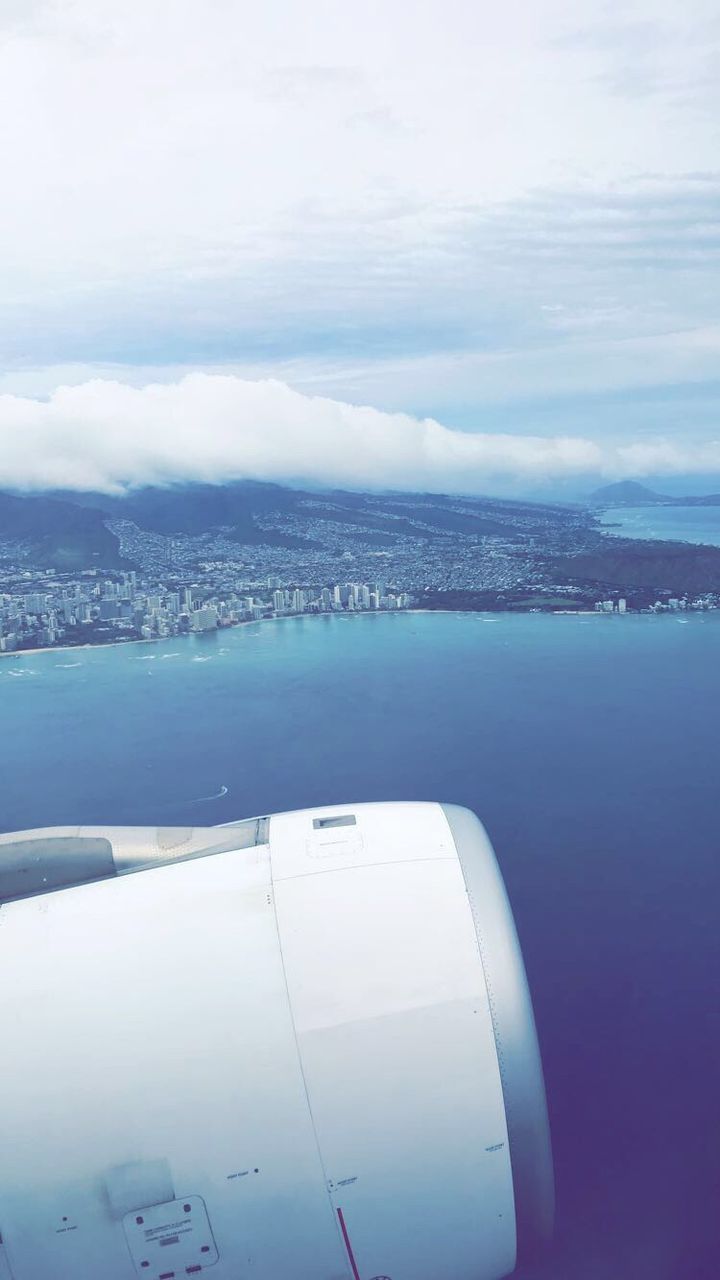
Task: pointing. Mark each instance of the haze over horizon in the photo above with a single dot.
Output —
(449, 247)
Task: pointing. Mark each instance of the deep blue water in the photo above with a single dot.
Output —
(589, 746)
(674, 524)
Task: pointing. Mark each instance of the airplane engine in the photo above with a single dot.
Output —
(299, 1047)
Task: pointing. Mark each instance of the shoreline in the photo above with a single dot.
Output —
(246, 622)
(365, 613)
(124, 644)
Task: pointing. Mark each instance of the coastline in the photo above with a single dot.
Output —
(123, 644)
(246, 622)
(365, 613)
(82, 648)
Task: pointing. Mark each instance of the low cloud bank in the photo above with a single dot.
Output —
(109, 436)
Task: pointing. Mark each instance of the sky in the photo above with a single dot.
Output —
(446, 243)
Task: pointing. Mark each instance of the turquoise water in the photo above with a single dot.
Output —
(589, 746)
(672, 524)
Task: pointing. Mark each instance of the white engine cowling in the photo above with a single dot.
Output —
(295, 1048)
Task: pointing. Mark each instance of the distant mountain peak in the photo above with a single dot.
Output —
(628, 493)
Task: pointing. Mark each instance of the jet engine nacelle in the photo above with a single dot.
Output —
(296, 1048)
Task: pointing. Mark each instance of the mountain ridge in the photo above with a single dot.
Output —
(63, 529)
(58, 534)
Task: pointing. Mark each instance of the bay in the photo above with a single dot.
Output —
(667, 524)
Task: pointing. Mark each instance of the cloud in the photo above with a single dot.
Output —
(441, 207)
(234, 178)
(109, 435)
(298, 84)
(655, 52)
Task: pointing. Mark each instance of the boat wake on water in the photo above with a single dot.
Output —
(218, 795)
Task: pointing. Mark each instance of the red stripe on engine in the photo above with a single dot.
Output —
(348, 1246)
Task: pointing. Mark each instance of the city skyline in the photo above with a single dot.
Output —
(96, 609)
(101, 610)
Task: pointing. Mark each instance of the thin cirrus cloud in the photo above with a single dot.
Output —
(110, 436)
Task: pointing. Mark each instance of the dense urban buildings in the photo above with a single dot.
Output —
(46, 609)
(96, 609)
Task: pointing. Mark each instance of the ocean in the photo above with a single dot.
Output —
(672, 524)
(588, 746)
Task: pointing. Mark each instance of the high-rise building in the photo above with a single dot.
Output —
(205, 618)
(35, 603)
